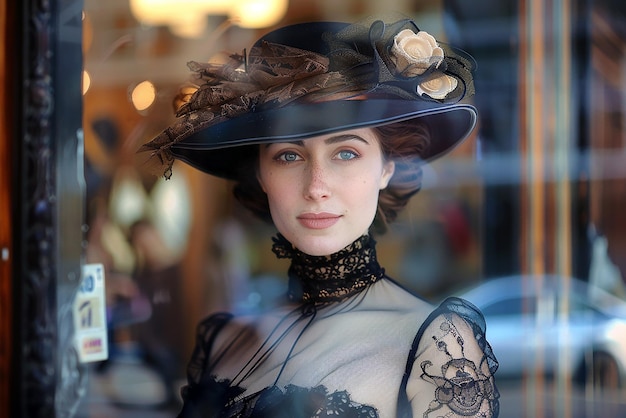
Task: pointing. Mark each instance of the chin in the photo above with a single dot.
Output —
(321, 246)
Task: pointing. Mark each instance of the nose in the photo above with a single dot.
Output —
(316, 182)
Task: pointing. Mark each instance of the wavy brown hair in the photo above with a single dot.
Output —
(402, 142)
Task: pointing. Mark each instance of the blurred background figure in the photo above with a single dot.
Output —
(158, 275)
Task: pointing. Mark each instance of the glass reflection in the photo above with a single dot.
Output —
(178, 250)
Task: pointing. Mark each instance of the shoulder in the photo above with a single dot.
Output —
(389, 292)
(451, 365)
(456, 328)
(221, 328)
(207, 331)
(457, 311)
(208, 327)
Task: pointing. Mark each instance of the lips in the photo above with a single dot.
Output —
(318, 220)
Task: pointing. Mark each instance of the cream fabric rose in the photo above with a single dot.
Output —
(413, 53)
(438, 88)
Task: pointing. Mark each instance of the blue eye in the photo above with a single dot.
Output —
(288, 157)
(346, 155)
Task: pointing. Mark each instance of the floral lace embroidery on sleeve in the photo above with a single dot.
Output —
(452, 372)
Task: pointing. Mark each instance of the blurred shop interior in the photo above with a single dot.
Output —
(539, 189)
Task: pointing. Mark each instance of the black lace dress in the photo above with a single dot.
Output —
(351, 342)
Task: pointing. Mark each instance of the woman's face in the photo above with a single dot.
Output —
(323, 191)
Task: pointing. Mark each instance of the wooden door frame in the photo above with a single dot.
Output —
(40, 206)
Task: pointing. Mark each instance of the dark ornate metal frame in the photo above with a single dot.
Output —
(47, 206)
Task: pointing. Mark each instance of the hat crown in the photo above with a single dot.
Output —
(352, 72)
(308, 36)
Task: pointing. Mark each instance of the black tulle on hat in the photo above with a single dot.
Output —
(317, 78)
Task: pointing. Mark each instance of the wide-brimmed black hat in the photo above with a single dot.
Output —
(317, 78)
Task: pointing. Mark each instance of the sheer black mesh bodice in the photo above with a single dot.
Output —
(350, 342)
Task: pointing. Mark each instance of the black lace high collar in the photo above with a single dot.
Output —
(321, 279)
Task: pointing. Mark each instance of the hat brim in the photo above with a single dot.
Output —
(217, 150)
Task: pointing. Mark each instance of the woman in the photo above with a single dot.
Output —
(324, 127)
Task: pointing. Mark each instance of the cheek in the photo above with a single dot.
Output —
(276, 189)
(261, 174)
(366, 190)
(267, 179)
(261, 183)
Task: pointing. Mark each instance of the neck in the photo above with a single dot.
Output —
(322, 279)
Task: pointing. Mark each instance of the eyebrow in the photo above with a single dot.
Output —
(345, 137)
(329, 141)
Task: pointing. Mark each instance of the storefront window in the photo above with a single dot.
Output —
(530, 203)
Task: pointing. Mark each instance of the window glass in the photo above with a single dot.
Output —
(538, 188)
(513, 306)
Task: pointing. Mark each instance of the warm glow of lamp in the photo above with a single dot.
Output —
(86, 82)
(166, 12)
(177, 14)
(258, 13)
(189, 25)
(143, 95)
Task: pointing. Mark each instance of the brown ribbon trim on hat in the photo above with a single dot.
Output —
(275, 74)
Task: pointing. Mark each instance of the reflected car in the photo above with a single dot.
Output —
(554, 325)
